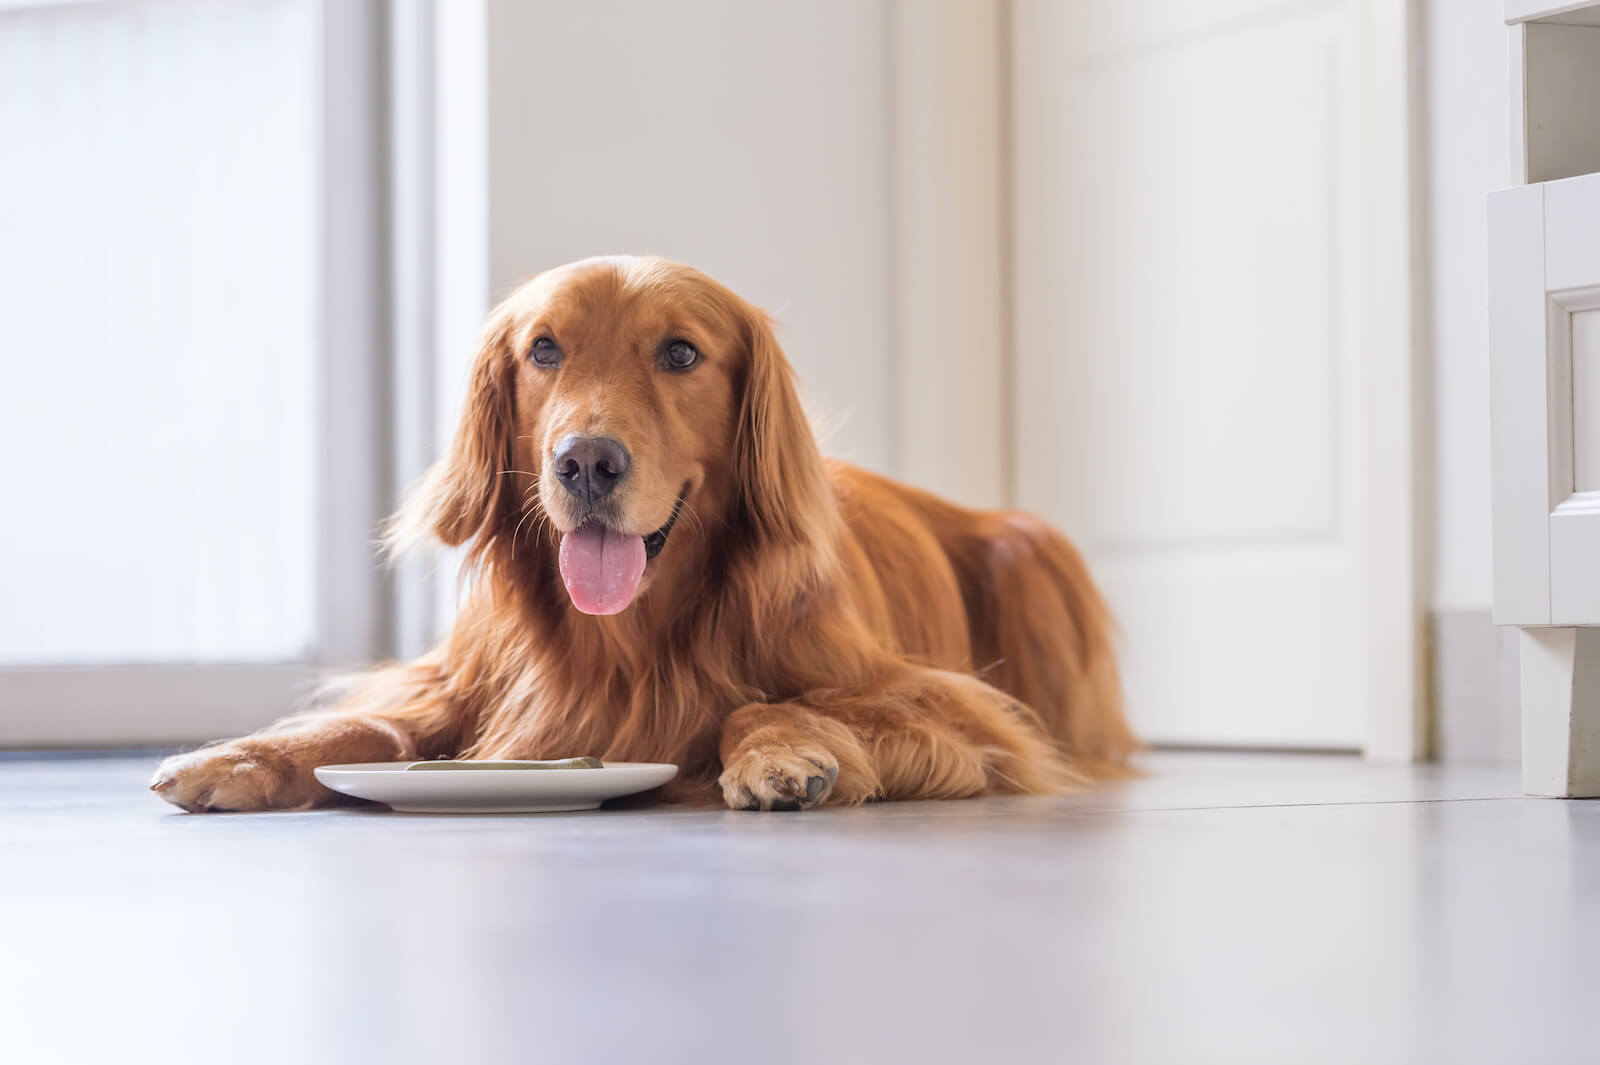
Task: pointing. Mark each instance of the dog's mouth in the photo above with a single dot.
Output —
(602, 566)
(658, 539)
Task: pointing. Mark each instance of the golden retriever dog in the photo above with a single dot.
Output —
(662, 567)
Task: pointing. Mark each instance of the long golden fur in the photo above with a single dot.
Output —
(810, 633)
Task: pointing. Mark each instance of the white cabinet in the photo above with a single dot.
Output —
(1544, 323)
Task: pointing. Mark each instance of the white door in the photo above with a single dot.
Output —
(1189, 387)
(188, 364)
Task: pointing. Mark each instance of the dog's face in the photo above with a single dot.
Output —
(618, 408)
(625, 410)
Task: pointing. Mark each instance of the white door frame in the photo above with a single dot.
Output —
(1396, 466)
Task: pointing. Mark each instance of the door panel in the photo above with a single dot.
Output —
(1187, 388)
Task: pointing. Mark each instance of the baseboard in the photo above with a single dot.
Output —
(1475, 689)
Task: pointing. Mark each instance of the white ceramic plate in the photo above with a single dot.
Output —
(492, 791)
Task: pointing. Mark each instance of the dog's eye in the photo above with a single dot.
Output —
(545, 353)
(679, 355)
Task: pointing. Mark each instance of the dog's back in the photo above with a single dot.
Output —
(1035, 624)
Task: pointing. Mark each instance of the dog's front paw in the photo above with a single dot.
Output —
(243, 775)
(778, 778)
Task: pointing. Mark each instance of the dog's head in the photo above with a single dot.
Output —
(618, 409)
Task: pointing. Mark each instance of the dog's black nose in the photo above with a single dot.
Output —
(591, 466)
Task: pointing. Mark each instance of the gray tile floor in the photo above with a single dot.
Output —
(1227, 908)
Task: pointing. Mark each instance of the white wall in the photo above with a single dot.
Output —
(1469, 155)
(749, 140)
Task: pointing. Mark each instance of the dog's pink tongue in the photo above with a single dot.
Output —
(601, 568)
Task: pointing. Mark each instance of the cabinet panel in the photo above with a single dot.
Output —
(1519, 412)
(1545, 365)
(1585, 344)
(1572, 233)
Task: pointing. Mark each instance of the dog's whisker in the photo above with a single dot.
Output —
(527, 512)
(694, 515)
(530, 508)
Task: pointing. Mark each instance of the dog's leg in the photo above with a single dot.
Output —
(930, 734)
(394, 714)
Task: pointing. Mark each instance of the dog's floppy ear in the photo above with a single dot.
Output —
(783, 493)
(462, 492)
